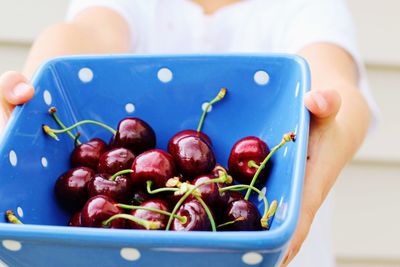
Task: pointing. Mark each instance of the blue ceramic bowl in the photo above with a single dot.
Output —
(265, 99)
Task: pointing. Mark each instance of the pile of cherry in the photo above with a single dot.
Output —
(129, 183)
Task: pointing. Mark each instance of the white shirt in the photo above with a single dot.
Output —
(256, 26)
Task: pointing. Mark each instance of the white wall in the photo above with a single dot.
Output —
(367, 199)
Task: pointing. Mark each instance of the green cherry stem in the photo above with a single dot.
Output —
(230, 222)
(182, 219)
(208, 211)
(220, 95)
(112, 178)
(76, 139)
(252, 164)
(11, 218)
(240, 187)
(149, 225)
(53, 111)
(159, 190)
(286, 138)
(53, 132)
(221, 179)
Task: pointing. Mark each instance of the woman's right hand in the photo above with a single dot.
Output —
(15, 89)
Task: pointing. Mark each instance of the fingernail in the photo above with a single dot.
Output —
(320, 101)
(20, 90)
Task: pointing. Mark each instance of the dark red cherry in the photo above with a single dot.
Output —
(209, 192)
(98, 209)
(193, 156)
(71, 187)
(155, 165)
(119, 189)
(150, 215)
(185, 133)
(138, 197)
(247, 149)
(115, 160)
(75, 219)
(88, 154)
(245, 214)
(197, 219)
(134, 134)
(233, 196)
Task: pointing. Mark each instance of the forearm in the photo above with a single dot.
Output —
(82, 36)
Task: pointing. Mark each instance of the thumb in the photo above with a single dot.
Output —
(15, 88)
(323, 105)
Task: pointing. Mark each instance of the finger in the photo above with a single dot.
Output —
(15, 88)
(323, 105)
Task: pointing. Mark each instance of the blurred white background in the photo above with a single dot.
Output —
(366, 212)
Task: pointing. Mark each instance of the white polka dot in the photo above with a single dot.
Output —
(204, 106)
(285, 152)
(47, 97)
(263, 190)
(261, 77)
(13, 158)
(130, 254)
(12, 245)
(252, 258)
(20, 212)
(164, 75)
(44, 162)
(296, 94)
(281, 211)
(2, 264)
(85, 75)
(130, 108)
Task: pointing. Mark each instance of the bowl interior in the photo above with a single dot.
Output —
(265, 99)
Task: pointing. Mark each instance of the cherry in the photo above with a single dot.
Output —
(115, 160)
(209, 192)
(233, 196)
(98, 209)
(88, 154)
(244, 215)
(154, 165)
(117, 187)
(71, 187)
(76, 219)
(193, 155)
(173, 141)
(134, 134)
(138, 197)
(196, 217)
(246, 154)
(148, 215)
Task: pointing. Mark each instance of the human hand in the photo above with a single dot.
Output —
(324, 162)
(15, 89)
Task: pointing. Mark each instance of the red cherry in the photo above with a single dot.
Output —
(88, 154)
(150, 215)
(185, 133)
(155, 165)
(71, 187)
(196, 217)
(247, 149)
(98, 209)
(193, 155)
(119, 189)
(245, 214)
(134, 134)
(115, 160)
(75, 219)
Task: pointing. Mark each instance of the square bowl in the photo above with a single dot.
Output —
(265, 99)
